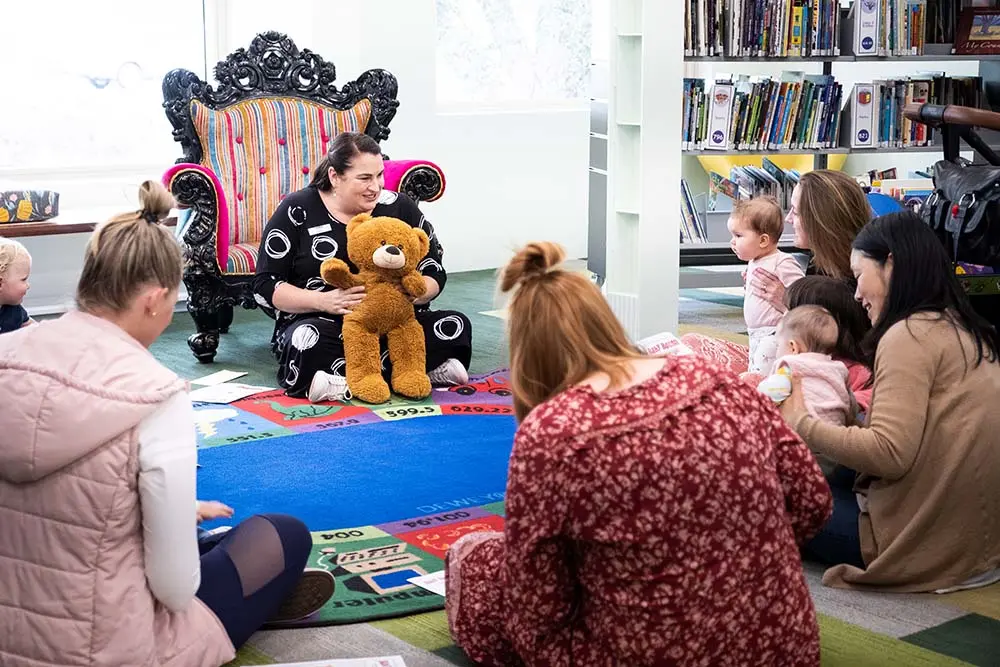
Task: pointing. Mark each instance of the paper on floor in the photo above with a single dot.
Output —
(388, 661)
(433, 582)
(218, 378)
(225, 393)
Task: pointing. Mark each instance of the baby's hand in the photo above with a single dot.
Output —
(777, 386)
(212, 509)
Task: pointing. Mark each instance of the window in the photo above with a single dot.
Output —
(83, 81)
(512, 52)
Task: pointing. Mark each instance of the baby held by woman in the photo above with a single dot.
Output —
(755, 226)
(806, 340)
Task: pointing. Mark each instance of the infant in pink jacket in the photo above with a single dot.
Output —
(807, 336)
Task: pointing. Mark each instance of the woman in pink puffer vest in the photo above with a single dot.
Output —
(101, 563)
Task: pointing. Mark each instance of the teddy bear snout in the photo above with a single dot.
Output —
(389, 257)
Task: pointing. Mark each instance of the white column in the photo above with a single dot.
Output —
(647, 68)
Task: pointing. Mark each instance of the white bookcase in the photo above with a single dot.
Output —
(644, 164)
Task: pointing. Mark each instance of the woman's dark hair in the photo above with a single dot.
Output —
(344, 147)
(922, 280)
(837, 296)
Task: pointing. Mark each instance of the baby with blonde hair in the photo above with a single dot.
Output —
(15, 267)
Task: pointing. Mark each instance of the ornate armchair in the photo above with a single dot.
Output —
(249, 142)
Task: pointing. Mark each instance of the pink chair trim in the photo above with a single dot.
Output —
(222, 224)
(396, 171)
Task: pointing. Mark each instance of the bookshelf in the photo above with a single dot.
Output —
(838, 59)
(640, 261)
(848, 69)
(636, 153)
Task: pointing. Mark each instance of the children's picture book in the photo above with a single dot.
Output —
(388, 661)
(663, 343)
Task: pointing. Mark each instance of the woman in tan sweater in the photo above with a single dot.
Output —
(926, 515)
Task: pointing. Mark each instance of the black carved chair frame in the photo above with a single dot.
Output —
(272, 66)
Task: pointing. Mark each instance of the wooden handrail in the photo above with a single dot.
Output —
(936, 115)
(55, 226)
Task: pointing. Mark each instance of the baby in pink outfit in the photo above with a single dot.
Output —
(807, 336)
(755, 226)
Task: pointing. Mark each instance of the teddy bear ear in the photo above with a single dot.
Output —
(359, 219)
(425, 243)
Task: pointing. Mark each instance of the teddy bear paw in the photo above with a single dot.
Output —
(371, 389)
(412, 384)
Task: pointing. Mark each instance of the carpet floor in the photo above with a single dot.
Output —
(857, 629)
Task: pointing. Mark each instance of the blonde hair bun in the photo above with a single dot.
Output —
(128, 252)
(533, 260)
(155, 202)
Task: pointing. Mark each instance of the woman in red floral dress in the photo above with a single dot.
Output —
(654, 505)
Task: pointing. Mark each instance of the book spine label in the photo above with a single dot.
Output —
(866, 28)
(863, 116)
(720, 120)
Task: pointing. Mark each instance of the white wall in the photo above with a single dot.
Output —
(514, 174)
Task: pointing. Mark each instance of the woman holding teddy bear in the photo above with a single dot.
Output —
(310, 226)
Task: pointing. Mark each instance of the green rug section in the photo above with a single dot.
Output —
(973, 638)
(842, 644)
(248, 655)
(846, 645)
(359, 559)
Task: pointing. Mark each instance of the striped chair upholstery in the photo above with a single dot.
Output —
(262, 149)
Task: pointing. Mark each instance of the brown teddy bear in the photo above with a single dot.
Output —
(386, 251)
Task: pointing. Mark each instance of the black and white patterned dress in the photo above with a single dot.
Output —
(299, 236)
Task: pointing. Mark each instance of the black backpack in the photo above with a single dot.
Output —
(964, 211)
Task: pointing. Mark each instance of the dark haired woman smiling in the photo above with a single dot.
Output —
(927, 512)
(311, 225)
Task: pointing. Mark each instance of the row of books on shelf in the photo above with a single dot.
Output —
(748, 182)
(794, 111)
(757, 28)
(816, 28)
(877, 119)
(743, 182)
(797, 111)
(890, 27)
(693, 229)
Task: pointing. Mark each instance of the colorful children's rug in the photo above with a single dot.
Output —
(385, 491)
(272, 414)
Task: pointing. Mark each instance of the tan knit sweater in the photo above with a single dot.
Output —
(929, 460)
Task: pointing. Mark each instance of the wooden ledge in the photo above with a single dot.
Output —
(63, 224)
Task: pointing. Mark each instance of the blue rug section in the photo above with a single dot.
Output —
(363, 475)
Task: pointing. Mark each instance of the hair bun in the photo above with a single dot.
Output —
(533, 260)
(154, 201)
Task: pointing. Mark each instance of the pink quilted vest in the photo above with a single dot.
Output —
(72, 586)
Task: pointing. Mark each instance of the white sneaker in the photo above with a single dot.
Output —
(328, 387)
(450, 373)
